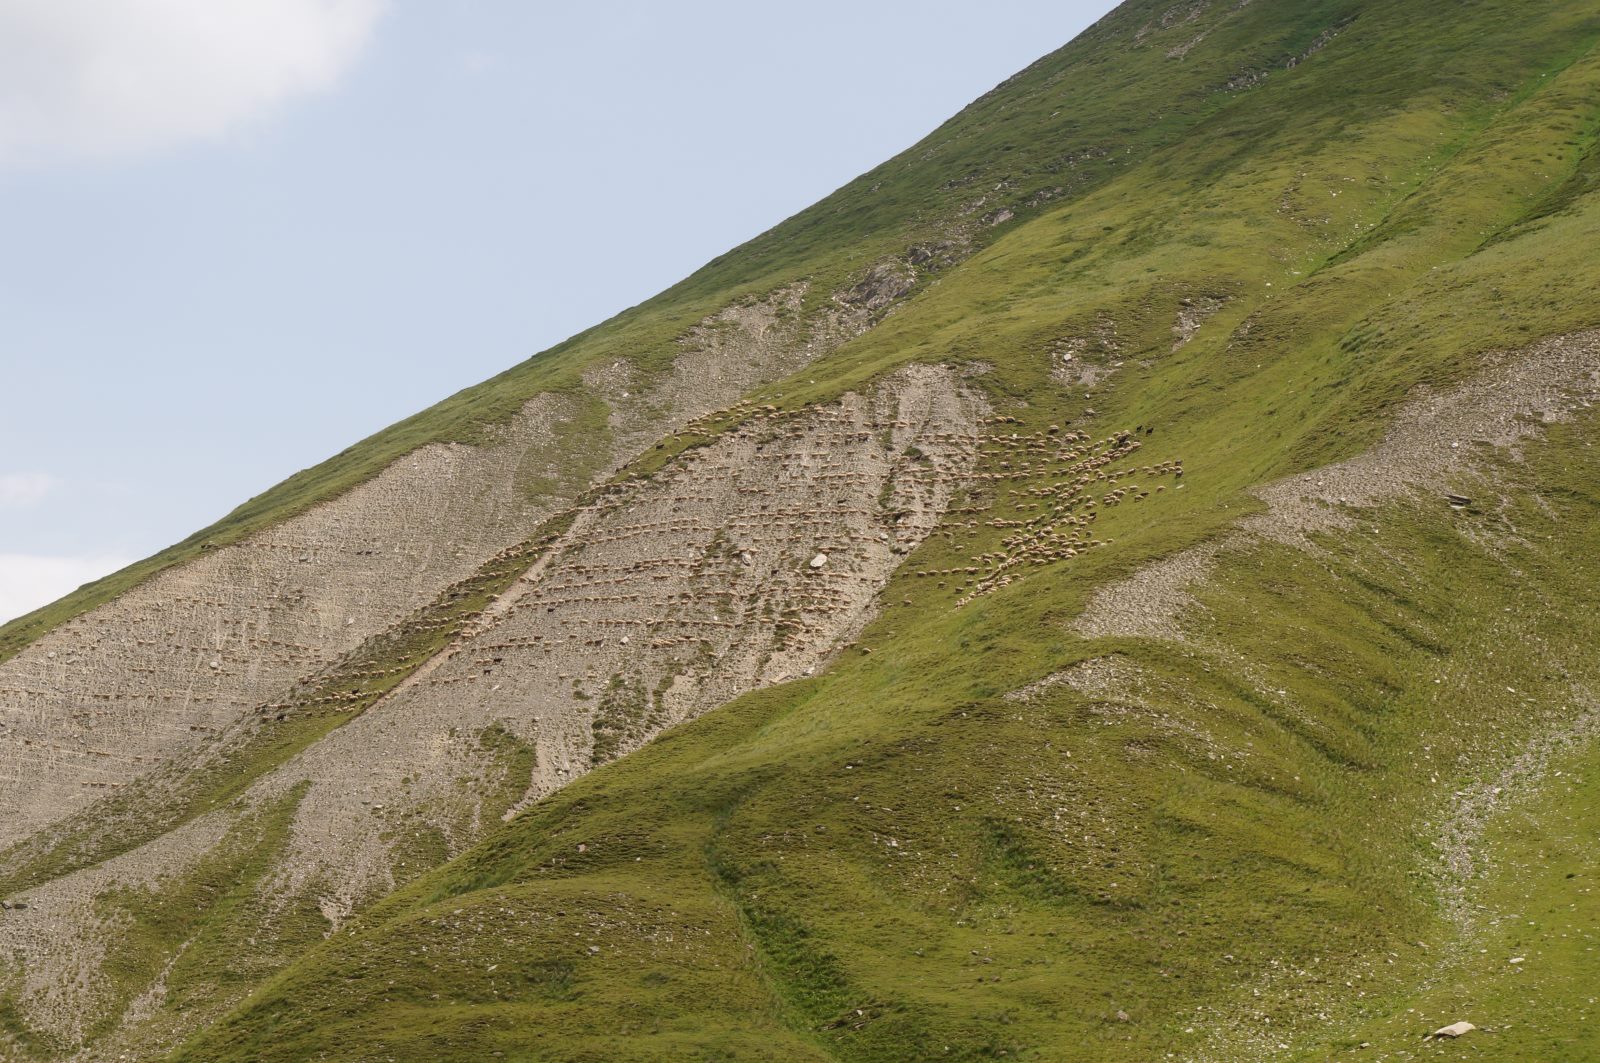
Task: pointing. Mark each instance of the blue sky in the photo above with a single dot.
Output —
(238, 235)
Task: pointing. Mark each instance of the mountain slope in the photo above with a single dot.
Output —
(1138, 540)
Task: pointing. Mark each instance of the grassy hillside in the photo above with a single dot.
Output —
(1244, 843)
(1077, 119)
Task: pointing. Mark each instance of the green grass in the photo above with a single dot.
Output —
(1538, 905)
(1054, 864)
(893, 860)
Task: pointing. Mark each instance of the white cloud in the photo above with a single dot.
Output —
(21, 489)
(28, 581)
(88, 78)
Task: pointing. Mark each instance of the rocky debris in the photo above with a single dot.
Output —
(752, 342)
(1117, 689)
(1249, 79)
(1507, 402)
(1192, 313)
(885, 283)
(973, 207)
(1178, 51)
(818, 561)
(1454, 1030)
(1321, 41)
(108, 696)
(1086, 359)
(1151, 602)
(706, 568)
(54, 943)
(742, 346)
(935, 255)
(1177, 15)
(1096, 676)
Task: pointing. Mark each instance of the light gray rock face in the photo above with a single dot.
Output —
(96, 703)
(665, 598)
